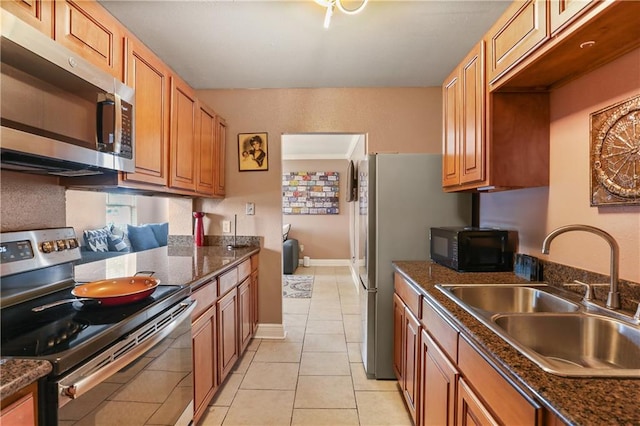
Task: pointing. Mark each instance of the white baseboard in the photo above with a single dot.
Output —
(270, 331)
(326, 262)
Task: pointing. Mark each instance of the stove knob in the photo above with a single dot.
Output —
(47, 247)
(72, 243)
(61, 245)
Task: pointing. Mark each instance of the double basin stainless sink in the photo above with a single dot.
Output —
(554, 329)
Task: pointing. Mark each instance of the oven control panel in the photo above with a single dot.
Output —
(22, 251)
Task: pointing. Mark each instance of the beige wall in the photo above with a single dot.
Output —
(323, 236)
(402, 120)
(535, 212)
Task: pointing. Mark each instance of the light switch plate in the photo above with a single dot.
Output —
(250, 209)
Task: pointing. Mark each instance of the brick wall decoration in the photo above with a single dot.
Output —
(311, 193)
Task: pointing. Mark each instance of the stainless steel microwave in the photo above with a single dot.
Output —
(472, 249)
(60, 114)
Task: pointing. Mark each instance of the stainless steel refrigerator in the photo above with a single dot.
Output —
(399, 198)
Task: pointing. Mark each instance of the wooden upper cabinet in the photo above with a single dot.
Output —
(207, 157)
(149, 76)
(37, 13)
(521, 28)
(451, 130)
(88, 29)
(183, 136)
(464, 92)
(220, 151)
(562, 11)
(472, 141)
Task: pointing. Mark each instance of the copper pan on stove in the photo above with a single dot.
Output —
(111, 292)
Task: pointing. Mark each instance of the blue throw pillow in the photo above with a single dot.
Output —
(97, 239)
(142, 237)
(161, 231)
(117, 243)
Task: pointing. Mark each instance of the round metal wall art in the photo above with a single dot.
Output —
(615, 154)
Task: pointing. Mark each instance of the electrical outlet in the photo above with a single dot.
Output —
(250, 209)
(301, 248)
(226, 226)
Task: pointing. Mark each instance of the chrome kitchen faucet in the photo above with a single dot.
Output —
(613, 299)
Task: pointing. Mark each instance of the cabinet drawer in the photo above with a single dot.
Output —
(227, 281)
(408, 294)
(509, 405)
(244, 270)
(206, 296)
(440, 329)
(254, 262)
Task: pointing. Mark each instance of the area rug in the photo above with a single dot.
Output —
(297, 286)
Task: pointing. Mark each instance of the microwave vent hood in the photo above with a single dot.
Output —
(30, 146)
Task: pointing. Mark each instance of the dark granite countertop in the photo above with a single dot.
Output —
(579, 401)
(15, 374)
(173, 265)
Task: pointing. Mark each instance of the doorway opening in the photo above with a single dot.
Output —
(319, 230)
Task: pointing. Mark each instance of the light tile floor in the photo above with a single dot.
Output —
(315, 375)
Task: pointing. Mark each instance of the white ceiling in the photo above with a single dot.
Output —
(282, 44)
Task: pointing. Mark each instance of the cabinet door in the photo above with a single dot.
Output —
(89, 30)
(438, 380)
(464, 135)
(149, 76)
(227, 333)
(20, 409)
(471, 410)
(398, 337)
(254, 301)
(244, 302)
(562, 11)
(205, 372)
(183, 136)
(207, 158)
(37, 13)
(221, 143)
(472, 118)
(522, 27)
(451, 130)
(410, 386)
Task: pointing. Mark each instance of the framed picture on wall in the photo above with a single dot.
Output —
(253, 152)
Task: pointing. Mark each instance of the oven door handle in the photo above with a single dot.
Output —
(123, 353)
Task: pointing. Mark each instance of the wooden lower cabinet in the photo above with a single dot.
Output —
(244, 316)
(398, 337)
(254, 301)
(444, 378)
(437, 384)
(471, 410)
(20, 409)
(228, 350)
(205, 361)
(407, 352)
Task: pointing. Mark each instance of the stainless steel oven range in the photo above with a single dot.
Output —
(124, 364)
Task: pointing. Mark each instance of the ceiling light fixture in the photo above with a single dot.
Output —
(331, 4)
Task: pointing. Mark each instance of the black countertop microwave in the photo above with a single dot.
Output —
(471, 249)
